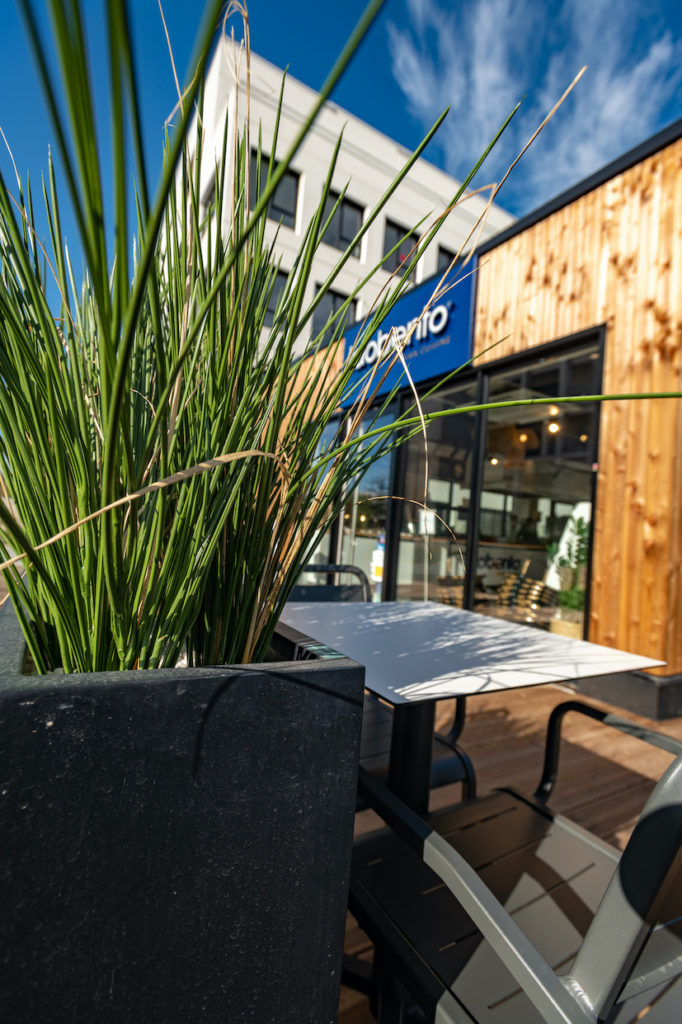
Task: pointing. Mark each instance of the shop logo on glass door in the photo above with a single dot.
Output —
(434, 342)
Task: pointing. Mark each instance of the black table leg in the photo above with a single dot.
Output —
(460, 718)
(409, 776)
(409, 768)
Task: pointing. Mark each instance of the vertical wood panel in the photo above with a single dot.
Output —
(614, 256)
(674, 193)
(657, 525)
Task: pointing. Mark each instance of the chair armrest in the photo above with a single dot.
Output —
(640, 732)
(553, 1000)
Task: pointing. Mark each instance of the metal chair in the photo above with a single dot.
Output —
(450, 763)
(332, 589)
(500, 911)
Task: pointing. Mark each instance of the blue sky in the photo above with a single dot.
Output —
(478, 57)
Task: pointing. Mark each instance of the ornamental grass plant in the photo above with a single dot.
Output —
(180, 461)
(168, 463)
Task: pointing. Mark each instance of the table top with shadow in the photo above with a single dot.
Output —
(425, 651)
(416, 653)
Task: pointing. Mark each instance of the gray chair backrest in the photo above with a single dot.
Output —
(332, 590)
(612, 963)
(634, 903)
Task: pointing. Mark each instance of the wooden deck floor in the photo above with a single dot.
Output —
(604, 777)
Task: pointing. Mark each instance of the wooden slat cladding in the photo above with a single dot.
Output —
(614, 257)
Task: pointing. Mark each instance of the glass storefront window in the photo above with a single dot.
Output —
(325, 552)
(494, 512)
(435, 513)
(363, 529)
(536, 494)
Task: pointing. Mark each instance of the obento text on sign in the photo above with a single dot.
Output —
(432, 322)
(435, 340)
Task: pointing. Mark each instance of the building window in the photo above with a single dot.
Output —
(208, 195)
(439, 506)
(330, 304)
(445, 258)
(345, 223)
(508, 501)
(282, 205)
(364, 517)
(275, 296)
(537, 484)
(393, 236)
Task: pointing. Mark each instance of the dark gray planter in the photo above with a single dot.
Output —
(175, 845)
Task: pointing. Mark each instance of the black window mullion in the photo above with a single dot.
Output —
(394, 515)
(478, 455)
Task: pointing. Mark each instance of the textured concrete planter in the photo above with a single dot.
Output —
(176, 844)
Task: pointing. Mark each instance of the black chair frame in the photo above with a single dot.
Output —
(617, 966)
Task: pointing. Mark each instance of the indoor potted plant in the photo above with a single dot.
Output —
(570, 558)
(175, 841)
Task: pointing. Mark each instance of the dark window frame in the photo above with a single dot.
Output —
(339, 234)
(393, 233)
(208, 195)
(280, 284)
(326, 309)
(445, 258)
(280, 208)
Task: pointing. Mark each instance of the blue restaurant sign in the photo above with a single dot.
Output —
(440, 340)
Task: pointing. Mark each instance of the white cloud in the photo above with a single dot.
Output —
(483, 56)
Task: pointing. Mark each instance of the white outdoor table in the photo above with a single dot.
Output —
(416, 653)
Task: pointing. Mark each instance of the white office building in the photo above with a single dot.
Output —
(368, 162)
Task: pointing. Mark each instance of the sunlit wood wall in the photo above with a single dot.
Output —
(614, 257)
